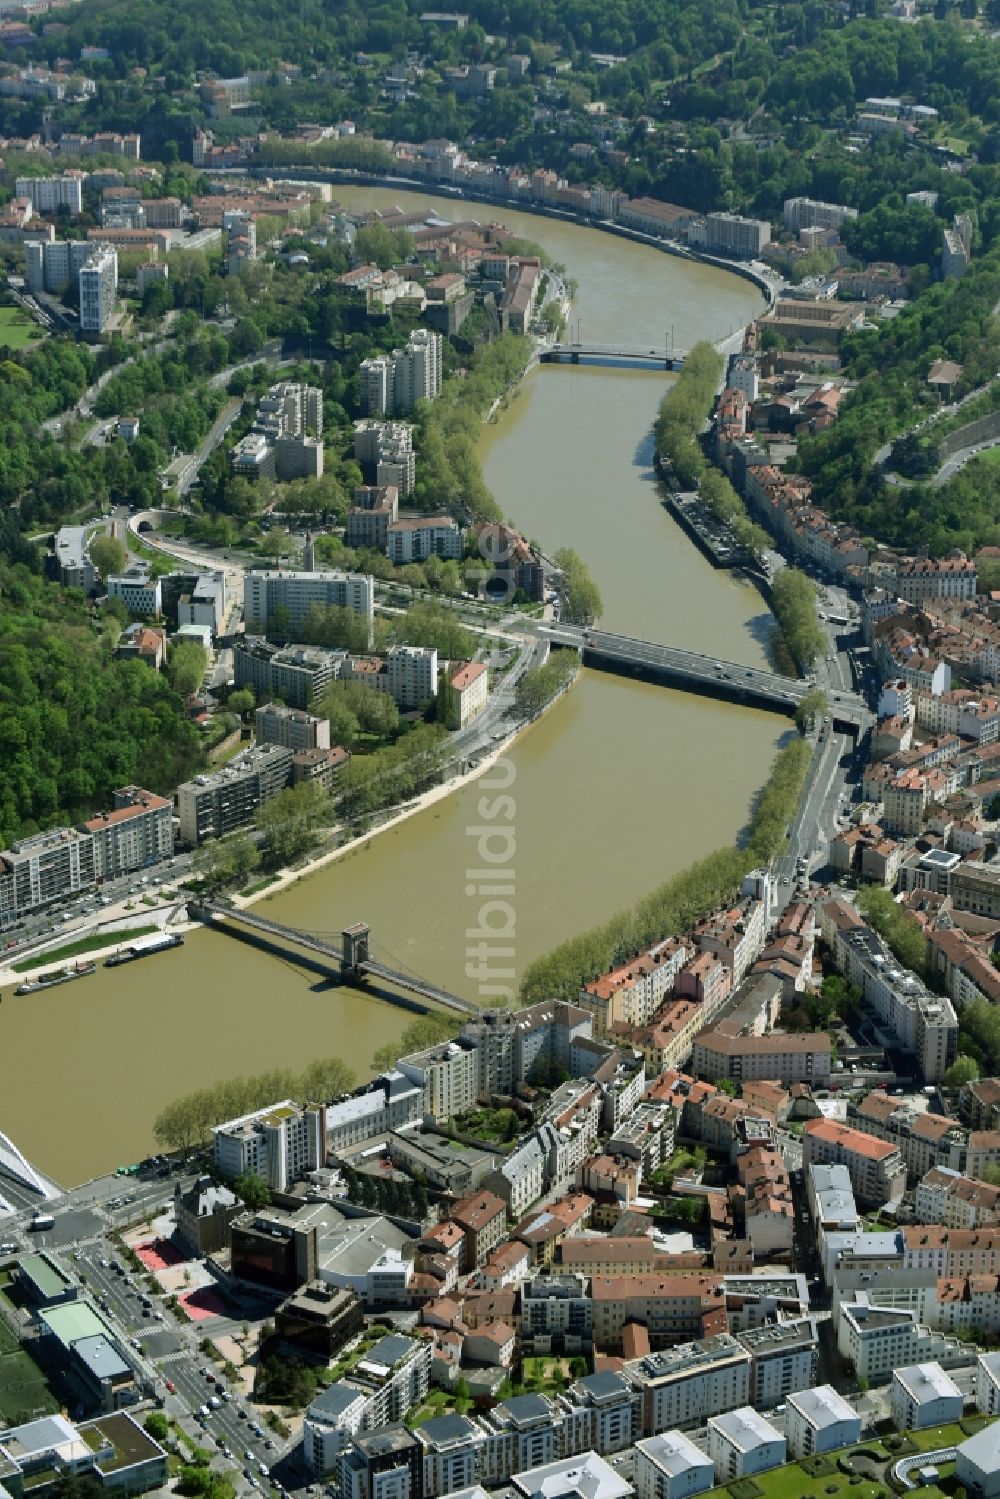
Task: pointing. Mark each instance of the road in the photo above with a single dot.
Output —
(702, 668)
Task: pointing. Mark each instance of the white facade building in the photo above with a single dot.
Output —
(741, 1443)
(98, 290)
(924, 1395)
(413, 675)
(279, 1144)
(819, 1420)
(266, 591)
(47, 194)
(670, 1466)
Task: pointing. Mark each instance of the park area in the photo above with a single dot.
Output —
(23, 1389)
(17, 329)
(861, 1472)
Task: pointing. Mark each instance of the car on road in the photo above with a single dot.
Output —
(171, 1387)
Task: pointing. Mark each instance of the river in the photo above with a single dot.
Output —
(617, 788)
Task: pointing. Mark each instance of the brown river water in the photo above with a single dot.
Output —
(621, 784)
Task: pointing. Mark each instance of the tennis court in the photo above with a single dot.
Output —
(23, 1390)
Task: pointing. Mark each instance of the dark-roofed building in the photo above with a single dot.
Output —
(319, 1318)
(203, 1215)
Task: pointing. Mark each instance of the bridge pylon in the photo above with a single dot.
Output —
(356, 947)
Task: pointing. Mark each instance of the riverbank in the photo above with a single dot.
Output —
(350, 178)
(168, 914)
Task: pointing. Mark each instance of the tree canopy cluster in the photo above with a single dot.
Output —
(581, 596)
(74, 723)
(952, 320)
(899, 929)
(189, 1120)
(540, 685)
(684, 412)
(793, 599)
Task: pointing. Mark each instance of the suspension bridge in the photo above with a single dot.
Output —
(350, 961)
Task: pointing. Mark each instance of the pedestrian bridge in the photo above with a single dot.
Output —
(690, 671)
(350, 960)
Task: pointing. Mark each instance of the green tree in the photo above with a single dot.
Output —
(242, 701)
(963, 1070)
(109, 555)
(252, 1190)
(186, 667)
(290, 821)
(157, 1425)
(581, 595)
(227, 861)
(813, 705)
(418, 1036)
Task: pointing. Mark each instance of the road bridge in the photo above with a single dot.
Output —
(639, 353)
(351, 961)
(691, 671)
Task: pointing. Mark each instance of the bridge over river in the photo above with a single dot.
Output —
(664, 358)
(350, 961)
(693, 672)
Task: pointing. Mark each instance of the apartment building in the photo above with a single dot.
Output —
(914, 580)
(806, 213)
(783, 1057)
(673, 1308)
(297, 674)
(741, 1443)
(483, 1221)
(98, 285)
(279, 1143)
(947, 1197)
(449, 1075)
(136, 833)
(43, 868)
(385, 451)
(730, 234)
(670, 1466)
(630, 993)
(415, 538)
(413, 675)
(819, 1420)
(210, 806)
(139, 592)
(375, 507)
(988, 1383)
(291, 727)
(49, 194)
(667, 1041)
(466, 690)
(297, 593)
(876, 1167)
(70, 561)
(557, 1315)
(976, 887)
(878, 1340)
(923, 1395)
(924, 1140)
(785, 1358)
(392, 1377)
(520, 1177)
(392, 384)
(925, 1024)
(685, 1385)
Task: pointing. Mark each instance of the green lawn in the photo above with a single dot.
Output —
(23, 1389)
(792, 1482)
(17, 329)
(83, 945)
